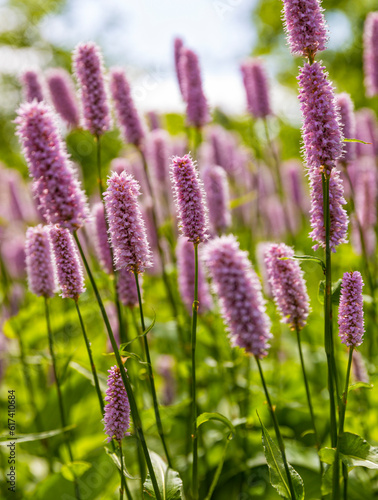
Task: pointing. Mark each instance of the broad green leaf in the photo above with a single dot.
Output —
(169, 482)
(356, 140)
(75, 469)
(335, 290)
(205, 417)
(277, 473)
(117, 461)
(357, 451)
(35, 436)
(327, 455)
(360, 385)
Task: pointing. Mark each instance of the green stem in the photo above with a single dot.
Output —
(60, 397)
(151, 375)
(308, 394)
(194, 394)
(343, 405)
(124, 485)
(93, 367)
(328, 336)
(133, 407)
(277, 430)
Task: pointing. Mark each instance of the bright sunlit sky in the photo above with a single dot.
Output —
(139, 34)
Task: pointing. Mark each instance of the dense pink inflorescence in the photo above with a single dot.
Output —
(126, 225)
(39, 266)
(256, 88)
(89, 70)
(186, 268)
(56, 188)
(101, 238)
(178, 46)
(338, 215)
(348, 124)
(321, 128)
(190, 199)
(62, 94)
(127, 115)
(117, 410)
(367, 131)
(293, 181)
(126, 287)
(359, 369)
(197, 109)
(67, 264)
(32, 86)
(288, 285)
(239, 291)
(351, 313)
(159, 153)
(305, 26)
(371, 53)
(217, 195)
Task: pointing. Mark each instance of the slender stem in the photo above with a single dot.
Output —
(151, 375)
(277, 430)
(308, 394)
(343, 404)
(133, 407)
(93, 367)
(194, 394)
(328, 336)
(166, 281)
(60, 397)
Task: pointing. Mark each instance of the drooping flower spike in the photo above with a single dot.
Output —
(117, 410)
(239, 291)
(127, 115)
(59, 195)
(126, 226)
(68, 268)
(62, 94)
(89, 69)
(190, 199)
(39, 266)
(305, 26)
(287, 285)
(351, 314)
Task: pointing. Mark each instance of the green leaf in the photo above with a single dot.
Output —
(327, 455)
(360, 385)
(336, 291)
(169, 482)
(72, 470)
(205, 417)
(132, 355)
(307, 257)
(356, 140)
(242, 200)
(125, 344)
(89, 375)
(117, 461)
(35, 436)
(277, 473)
(357, 452)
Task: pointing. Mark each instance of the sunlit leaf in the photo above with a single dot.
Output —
(169, 482)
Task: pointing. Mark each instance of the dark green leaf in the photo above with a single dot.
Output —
(205, 417)
(169, 482)
(132, 355)
(336, 291)
(117, 461)
(278, 477)
(357, 451)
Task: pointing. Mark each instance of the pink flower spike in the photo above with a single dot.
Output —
(39, 266)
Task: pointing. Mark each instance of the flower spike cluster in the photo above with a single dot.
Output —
(305, 26)
(117, 410)
(190, 199)
(287, 285)
(127, 114)
(56, 188)
(89, 70)
(321, 128)
(239, 291)
(39, 264)
(256, 87)
(371, 54)
(126, 226)
(63, 96)
(351, 314)
(67, 264)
